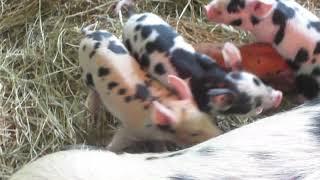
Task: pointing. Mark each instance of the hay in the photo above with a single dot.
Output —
(42, 96)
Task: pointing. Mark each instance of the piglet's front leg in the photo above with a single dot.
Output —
(120, 140)
(93, 103)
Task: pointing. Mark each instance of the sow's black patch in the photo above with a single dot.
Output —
(182, 176)
(207, 151)
(142, 92)
(99, 35)
(281, 15)
(164, 41)
(307, 85)
(315, 120)
(235, 6)
(116, 48)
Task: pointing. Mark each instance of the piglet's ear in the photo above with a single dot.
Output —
(260, 8)
(212, 12)
(221, 98)
(232, 56)
(180, 86)
(162, 115)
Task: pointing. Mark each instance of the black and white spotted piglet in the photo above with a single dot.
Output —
(283, 146)
(292, 29)
(147, 110)
(162, 51)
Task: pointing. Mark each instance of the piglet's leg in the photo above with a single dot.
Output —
(120, 141)
(93, 103)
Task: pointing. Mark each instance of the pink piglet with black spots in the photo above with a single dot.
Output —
(146, 109)
(292, 30)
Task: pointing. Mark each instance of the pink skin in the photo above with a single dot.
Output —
(163, 115)
(181, 86)
(216, 11)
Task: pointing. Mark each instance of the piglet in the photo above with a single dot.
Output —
(161, 51)
(260, 59)
(283, 146)
(292, 30)
(147, 110)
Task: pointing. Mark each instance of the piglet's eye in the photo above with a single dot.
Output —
(195, 134)
(218, 12)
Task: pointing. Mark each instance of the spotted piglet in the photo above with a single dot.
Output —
(147, 110)
(161, 51)
(291, 29)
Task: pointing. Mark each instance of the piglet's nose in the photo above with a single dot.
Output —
(278, 99)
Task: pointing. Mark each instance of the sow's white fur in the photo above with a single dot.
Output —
(283, 146)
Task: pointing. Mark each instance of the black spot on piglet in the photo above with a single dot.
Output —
(302, 56)
(97, 45)
(316, 71)
(102, 71)
(256, 81)
(315, 25)
(307, 85)
(254, 20)
(144, 61)
(128, 44)
(112, 85)
(92, 54)
(159, 69)
(89, 80)
(142, 92)
(98, 35)
(142, 18)
(281, 15)
(235, 5)
(236, 22)
(293, 65)
(317, 48)
(116, 48)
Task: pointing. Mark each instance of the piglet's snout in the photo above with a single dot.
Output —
(277, 96)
